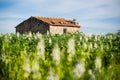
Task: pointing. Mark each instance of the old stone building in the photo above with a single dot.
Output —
(45, 24)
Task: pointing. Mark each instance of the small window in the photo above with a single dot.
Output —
(64, 30)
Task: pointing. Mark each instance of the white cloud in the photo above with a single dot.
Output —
(73, 5)
(88, 12)
(91, 9)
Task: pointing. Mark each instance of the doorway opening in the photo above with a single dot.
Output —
(64, 30)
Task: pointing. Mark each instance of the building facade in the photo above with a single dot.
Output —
(44, 25)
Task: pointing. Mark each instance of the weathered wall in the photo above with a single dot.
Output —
(60, 30)
(32, 25)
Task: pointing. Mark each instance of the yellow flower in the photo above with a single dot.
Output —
(98, 63)
(71, 48)
(35, 67)
(79, 69)
(56, 54)
(41, 49)
(52, 75)
(26, 68)
(91, 74)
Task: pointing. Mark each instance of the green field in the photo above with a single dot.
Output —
(75, 56)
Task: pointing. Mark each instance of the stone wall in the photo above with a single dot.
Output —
(62, 30)
(32, 25)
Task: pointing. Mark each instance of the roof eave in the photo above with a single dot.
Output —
(64, 25)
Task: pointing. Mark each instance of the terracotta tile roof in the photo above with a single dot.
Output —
(58, 21)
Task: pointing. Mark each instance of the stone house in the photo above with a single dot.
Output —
(45, 25)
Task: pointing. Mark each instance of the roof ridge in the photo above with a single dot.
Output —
(48, 17)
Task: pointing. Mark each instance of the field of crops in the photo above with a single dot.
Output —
(60, 57)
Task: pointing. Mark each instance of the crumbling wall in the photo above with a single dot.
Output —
(61, 29)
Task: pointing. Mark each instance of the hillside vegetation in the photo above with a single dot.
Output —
(73, 56)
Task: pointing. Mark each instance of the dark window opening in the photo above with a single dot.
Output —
(64, 30)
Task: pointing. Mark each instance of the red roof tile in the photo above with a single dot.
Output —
(58, 21)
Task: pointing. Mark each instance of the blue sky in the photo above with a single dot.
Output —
(94, 16)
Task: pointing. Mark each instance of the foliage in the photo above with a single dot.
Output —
(75, 56)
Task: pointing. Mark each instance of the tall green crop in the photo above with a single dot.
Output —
(75, 56)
